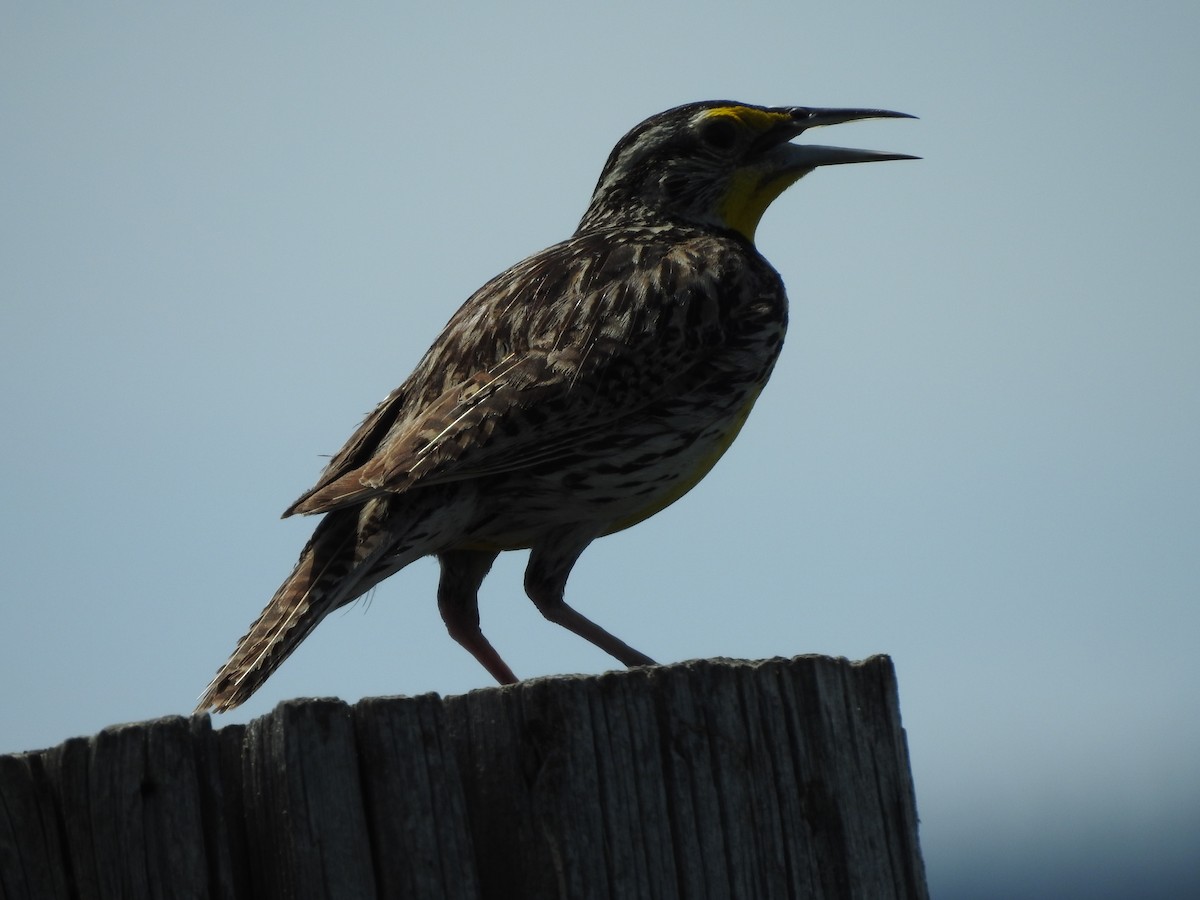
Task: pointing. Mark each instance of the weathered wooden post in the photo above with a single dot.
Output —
(709, 779)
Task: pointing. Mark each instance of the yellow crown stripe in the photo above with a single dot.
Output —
(759, 119)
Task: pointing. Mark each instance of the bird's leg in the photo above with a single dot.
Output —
(458, 602)
(546, 582)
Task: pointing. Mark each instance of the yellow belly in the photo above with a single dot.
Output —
(702, 466)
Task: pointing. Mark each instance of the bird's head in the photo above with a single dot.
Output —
(716, 163)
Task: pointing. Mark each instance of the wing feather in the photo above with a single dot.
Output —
(558, 348)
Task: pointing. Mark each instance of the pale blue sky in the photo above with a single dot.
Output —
(225, 234)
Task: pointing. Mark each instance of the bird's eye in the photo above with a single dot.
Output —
(719, 133)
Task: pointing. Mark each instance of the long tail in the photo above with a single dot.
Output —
(342, 560)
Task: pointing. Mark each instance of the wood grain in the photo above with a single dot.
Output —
(710, 779)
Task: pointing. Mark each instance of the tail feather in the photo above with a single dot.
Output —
(350, 552)
(324, 579)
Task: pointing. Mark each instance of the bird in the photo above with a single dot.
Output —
(574, 395)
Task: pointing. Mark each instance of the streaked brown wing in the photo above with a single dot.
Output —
(569, 344)
(358, 449)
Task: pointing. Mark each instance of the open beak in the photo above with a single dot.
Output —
(793, 157)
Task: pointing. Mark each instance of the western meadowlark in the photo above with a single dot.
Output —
(574, 395)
